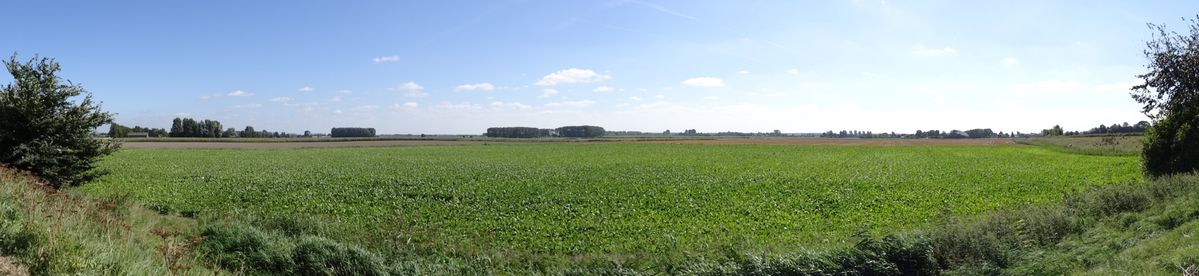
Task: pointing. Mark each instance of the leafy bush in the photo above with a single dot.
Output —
(1172, 146)
(1170, 95)
(241, 247)
(43, 132)
(320, 256)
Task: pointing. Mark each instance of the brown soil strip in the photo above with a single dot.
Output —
(290, 145)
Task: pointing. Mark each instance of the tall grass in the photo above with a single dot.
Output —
(52, 232)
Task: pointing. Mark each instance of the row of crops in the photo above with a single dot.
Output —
(577, 199)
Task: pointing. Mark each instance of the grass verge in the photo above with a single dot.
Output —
(49, 232)
(1107, 145)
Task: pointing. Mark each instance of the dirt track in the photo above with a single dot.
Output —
(290, 145)
(838, 141)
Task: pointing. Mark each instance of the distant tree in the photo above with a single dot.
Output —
(584, 131)
(352, 132)
(307, 133)
(43, 131)
(249, 132)
(176, 128)
(1170, 97)
(117, 131)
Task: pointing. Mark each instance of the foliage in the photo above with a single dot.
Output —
(188, 127)
(580, 131)
(1170, 95)
(43, 131)
(119, 131)
(516, 132)
(352, 132)
(635, 204)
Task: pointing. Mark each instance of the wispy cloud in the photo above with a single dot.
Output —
(412, 89)
(511, 105)
(306, 89)
(248, 106)
(483, 86)
(660, 8)
(571, 104)
(1009, 61)
(935, 51)
(548, 92)
(704, 82)
(280, 99)
(743, 72)
(635, 98)
(239, 93)
(602, 89)
(572, 75)
(793, 72)
(386, 59)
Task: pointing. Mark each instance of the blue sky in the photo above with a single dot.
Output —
(462, 66)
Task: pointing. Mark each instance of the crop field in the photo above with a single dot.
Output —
(605, 199)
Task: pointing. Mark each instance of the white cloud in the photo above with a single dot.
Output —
(572, 75)
(1047, 86)
(247, 106)
(548, 92)
(336, 99)
(466, 106)
(386, 59)
(704, 82)
(793, 71)
(603, 89)
(280, 99)
(1009, 61)
(1118, 86)
(206, 97)
(410, 104)
(660, 96)
(743, 72)
(239, 93)
(711, 98)
(183, 114)
(411, 89)
(306, 89)
(364, 108)
(344, 91)
(483, 86)
(513, 105)
(935, 51)
(635, 98)
(571, 104)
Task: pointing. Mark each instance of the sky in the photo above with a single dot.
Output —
(458, 67)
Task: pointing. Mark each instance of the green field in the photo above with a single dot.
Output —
(606, 199)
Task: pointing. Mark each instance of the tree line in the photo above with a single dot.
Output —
(1125, 128)
(119, 131)
(926, 134)
(584, 131)
(352, 132)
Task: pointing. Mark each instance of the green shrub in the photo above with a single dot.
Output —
(320, 256)
(1172, 146)
(43, 132)
(241, 247)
